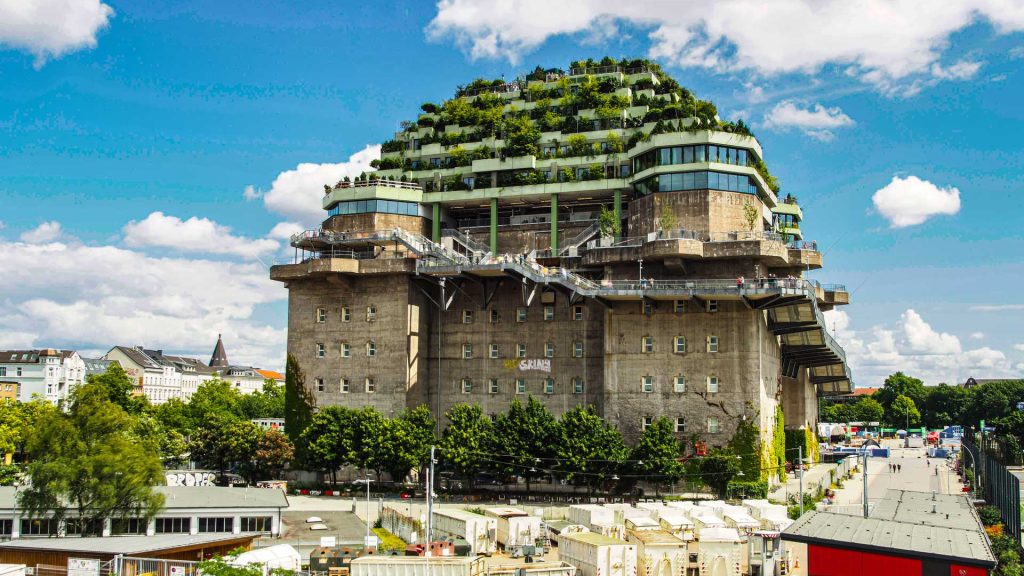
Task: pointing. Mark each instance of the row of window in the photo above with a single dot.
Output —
(3, 371)
(121, 526)
(680, 424)
(678, 344)
(678, 384)
(345, 385)
(696, 181)
(711, 345)
(346, 350)
(547, 386)
(346, 314)
(378, 206)
(692, 155)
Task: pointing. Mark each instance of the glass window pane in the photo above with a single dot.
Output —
(700, 180)
(730, 155)
(687, 154)
(677, 182)
(663, 183)
(700, 153)
(713, 180)
(712, 153)
(741, 158)
(688, 181)
(677, 155)
(665, 156)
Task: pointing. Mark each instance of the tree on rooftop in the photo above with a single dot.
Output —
(87, 460)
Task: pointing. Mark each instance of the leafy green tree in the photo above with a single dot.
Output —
(900, 384)
(903, 412)
(521, 137)
(174, 414)
(523, 435)
(466, 439)
(717, 469)
(330, 439)
(837, 413)
(219, 566)
(590, 450)
(118, 384)
(945, 405)
(273, 452)
(656, 454)
(214, 399)
(87, 459)
(422, 427)
(395, 449)
(224, 442)
(299, 403)
(868, 410)
(265, 403)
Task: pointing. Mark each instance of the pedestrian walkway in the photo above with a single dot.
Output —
(817, 475)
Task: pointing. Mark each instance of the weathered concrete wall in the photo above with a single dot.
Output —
(524, 238)
(800, 401)
(376, 221)
(703, 211)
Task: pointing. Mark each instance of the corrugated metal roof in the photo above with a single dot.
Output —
(130, 545)
(948, 510)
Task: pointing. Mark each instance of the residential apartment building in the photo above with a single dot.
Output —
(597, 237)
(46, 373)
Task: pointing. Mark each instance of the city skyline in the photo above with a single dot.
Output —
(154, 220)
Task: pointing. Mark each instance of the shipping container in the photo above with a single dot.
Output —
(641, 523)
(625, 513)
(720, 552)
(591, 514)
(479, 531)
(678, 524)
(741, 520)
(772, 516)
(416, 566)
(598, 555)
(659, 553)
(704, 519)
(515, 527)
(534, 569)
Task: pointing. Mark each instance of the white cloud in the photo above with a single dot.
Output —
(93, 297)
(885, 43)
(914, 347)
(297, 193)
(815, 121)
(1018, 347)
(193, 235)
(45, 232)
(962, 70)
(52, 28)
(910, 201)
(250, 193)
(284, 230)
(996, 307)
(977, 335)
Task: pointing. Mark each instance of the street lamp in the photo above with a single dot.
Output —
(367, 480)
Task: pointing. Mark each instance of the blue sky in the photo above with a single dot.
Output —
(131, 132)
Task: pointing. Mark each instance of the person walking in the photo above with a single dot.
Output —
(899, 468)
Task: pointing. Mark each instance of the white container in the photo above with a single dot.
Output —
(515, 527)
(677, 524)
(416, 566)
(741, 520)
(659, 553)
(479, 531)
(704, 519)
(597, 555)
(591, 514)
(623, 514)
(617, 531)
(641, 523)
(280, 557)
(535, 569)
(720, 552)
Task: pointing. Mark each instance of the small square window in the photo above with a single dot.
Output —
(647, 344)
(549, 385)
(319, 384)
(647, 384)
(549, 313)
(371, 313)
(712, 343)
(520, 350)
(647, 422)
(577, 313)
(520, 314)
(577, 386)
(648, 307)
(493, 351)
(713, 424)
(344, 386)
(371, 349)
(680, 424)
(520, 386)
(467, 316)
(679, 306)
(492, 385)
(321, 315)
(577, 349)
(494, 316)
(321, 350)
(680, 344)
(712, 306)
(680, 384)
(346, 314)
(346, 350)
(712, 384)
(549, 350)
(467, 385)
(371, 385)
(467, 351)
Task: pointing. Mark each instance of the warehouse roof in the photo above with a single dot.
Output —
(883, 535)
(948, 510)
(129, 545)
(188, 497)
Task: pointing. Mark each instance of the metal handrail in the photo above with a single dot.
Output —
(377, 182)
(464, 239)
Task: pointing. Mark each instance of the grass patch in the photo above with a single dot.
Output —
(389, 541)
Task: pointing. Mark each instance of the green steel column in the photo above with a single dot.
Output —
(494, 225)
(554, 224)
(435, 226)
(617, 209)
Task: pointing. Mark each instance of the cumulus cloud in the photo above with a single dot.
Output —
(298, 193)
(45, 232)
(910, 201)
(996, 307)
(881, 42)
(977, 335)
(52, 28)
(1018, 347)
(285, 230)
(815, 121)
(202, 235)
(93, 297)
(912, 345)
(250, 193)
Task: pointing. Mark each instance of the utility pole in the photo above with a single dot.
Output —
(437, 401)
(430, 501)
(865, 473)
(800, 464)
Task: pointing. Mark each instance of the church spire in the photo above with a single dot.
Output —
(220, 357)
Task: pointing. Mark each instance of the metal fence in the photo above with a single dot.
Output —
(130, 566)
(1001, 488)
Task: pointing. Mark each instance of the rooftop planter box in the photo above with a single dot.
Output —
(452, 129)
(631, 78)
(430, 149)
(624, 91)
(547, 137)
(493, 164)
(649, 92)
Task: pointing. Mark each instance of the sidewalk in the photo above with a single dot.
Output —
(817, 475)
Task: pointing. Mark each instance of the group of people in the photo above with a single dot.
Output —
(895, 468)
